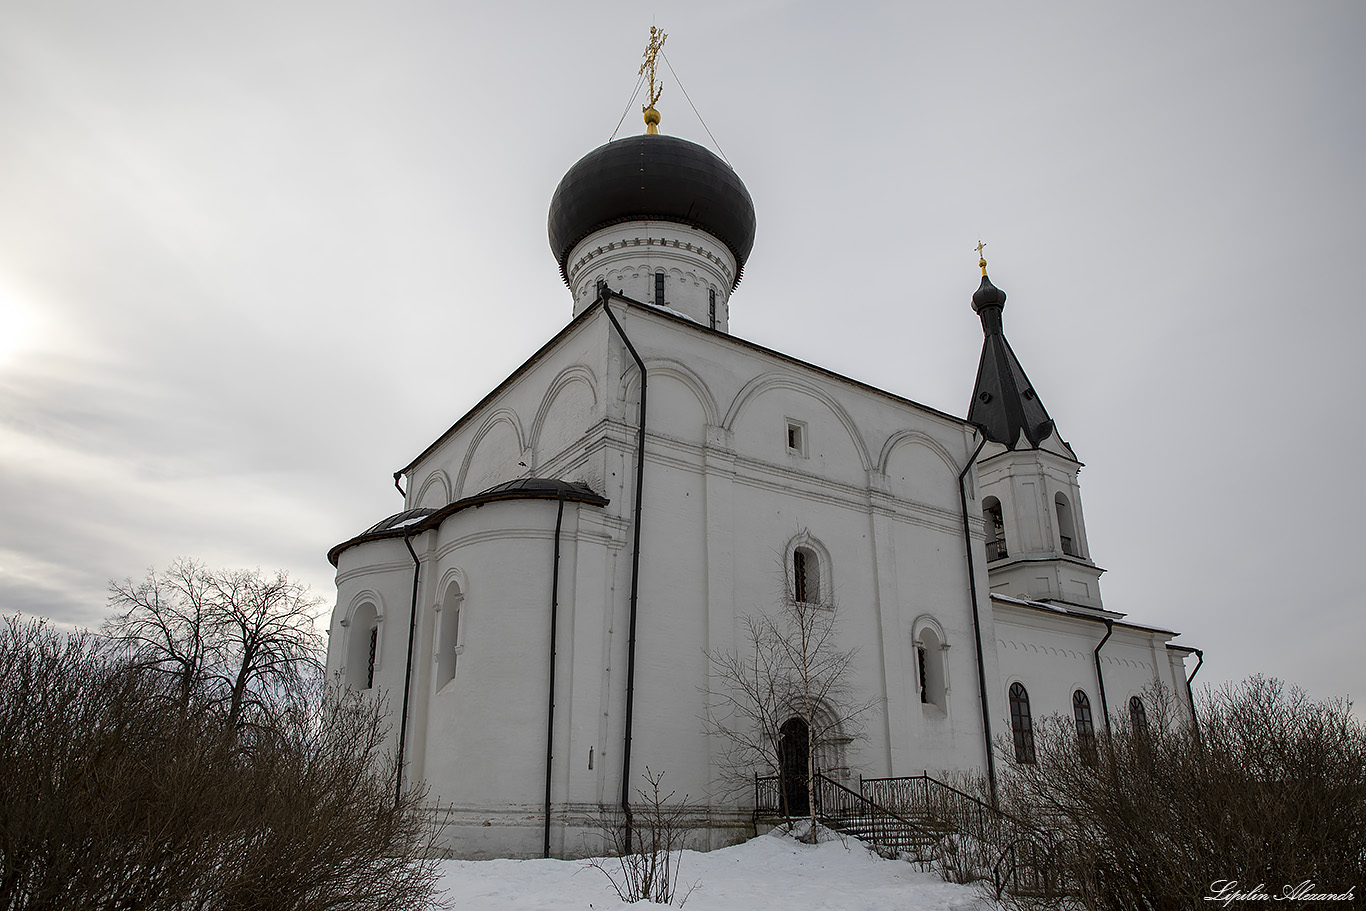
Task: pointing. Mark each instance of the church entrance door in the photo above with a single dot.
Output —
(794, 765)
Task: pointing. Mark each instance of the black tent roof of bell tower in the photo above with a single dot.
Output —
(1004, 403)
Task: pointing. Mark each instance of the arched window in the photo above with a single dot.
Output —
(806, 576)
(1138, 716)
(362, 651)
(929, 655)
(1067, 534)
(448, 636)
(1021, 725)
(996, 529)
(1086, 731)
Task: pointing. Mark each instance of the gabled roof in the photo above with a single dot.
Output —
(722, 338)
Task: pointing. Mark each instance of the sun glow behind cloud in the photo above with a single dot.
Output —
(21, 327)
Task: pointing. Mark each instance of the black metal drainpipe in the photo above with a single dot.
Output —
(408, 672)
(977, 623)
(1195, 722)
(554, 616)
(1100, 676)
(603, 294)
(397, 475)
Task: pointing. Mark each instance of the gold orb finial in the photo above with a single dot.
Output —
(652, 52)
(981, 257)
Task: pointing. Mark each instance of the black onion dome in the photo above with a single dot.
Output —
(988, 295)
(657, 178)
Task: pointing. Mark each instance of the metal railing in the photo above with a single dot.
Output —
(996, 550)
(768, 799)
(930, 820)
(924, 795)
(1017, 857)
(848, 810)
(842, 808)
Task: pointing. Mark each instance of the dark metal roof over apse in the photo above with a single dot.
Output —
(657, 178)
(413, 522)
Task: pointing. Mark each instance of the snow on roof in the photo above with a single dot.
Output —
(1066, 611)
(671, 311)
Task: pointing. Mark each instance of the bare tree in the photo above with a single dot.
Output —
(241, 638)
(115, 796)
(164, 620)
(266, 638)
(792, 664)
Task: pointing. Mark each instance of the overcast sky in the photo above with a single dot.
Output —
(255, 256)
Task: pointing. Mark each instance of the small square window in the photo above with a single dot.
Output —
(796, 437)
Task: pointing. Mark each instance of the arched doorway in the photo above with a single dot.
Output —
(794, 753)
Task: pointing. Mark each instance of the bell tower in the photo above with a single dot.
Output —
(1027, 476)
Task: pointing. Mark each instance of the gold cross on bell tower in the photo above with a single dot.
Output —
(652, 51)
(981, 257)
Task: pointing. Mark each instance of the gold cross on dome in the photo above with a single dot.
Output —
(652, 52)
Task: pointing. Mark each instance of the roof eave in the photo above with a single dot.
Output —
(480, 499)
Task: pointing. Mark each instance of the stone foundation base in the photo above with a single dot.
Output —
(576, 830)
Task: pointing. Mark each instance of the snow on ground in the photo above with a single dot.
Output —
(769, 873)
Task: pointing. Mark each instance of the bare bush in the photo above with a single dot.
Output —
(1271, 791)
(646, 868)
(122, 791)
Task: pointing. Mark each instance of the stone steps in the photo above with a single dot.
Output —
(889, 835)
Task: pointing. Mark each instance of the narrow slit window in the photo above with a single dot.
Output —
(996, 529)
(362, 647)
(370, 663)
(796, 438)
(806, 576)
(711, 306)
(659, 289)
(1021, 725)
(920, 658)
(1138, 716)
(929, 653)
(1086, 730)
(1067, 533)
(448, 637)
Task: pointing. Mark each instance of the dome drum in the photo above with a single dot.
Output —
(698, 270)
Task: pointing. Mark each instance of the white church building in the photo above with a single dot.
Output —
(539, 616)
